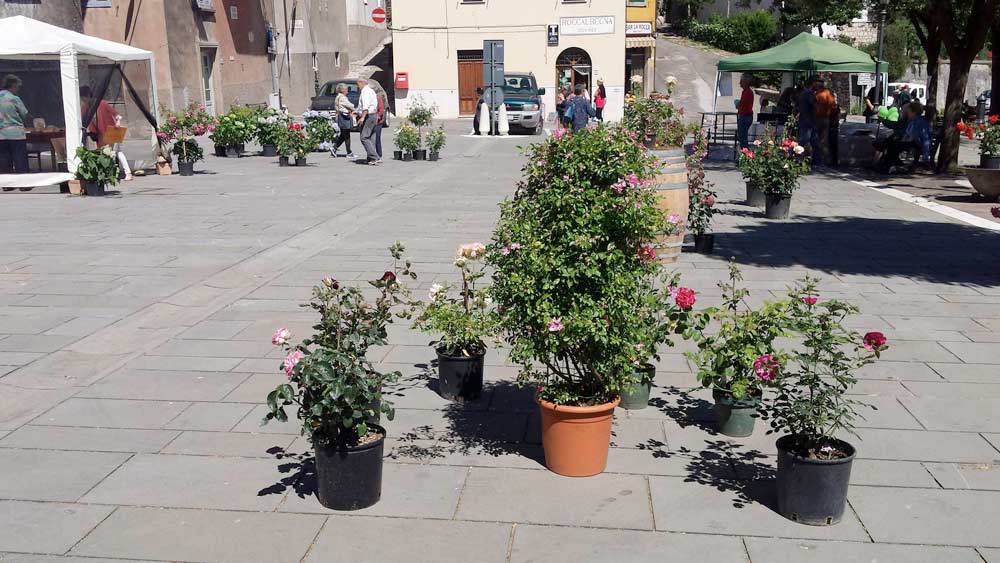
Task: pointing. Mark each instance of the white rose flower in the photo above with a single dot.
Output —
(798, 149)
(435, 292)
(637, 79)
(671, 80)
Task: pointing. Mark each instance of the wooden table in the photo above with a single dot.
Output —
(45, 137)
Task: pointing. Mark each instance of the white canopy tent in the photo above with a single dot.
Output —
(25, 38)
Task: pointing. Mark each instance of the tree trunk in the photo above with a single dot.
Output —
(958, 77)
(933, 68)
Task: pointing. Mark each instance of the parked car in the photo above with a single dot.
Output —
(987, 96)
(917, 92)
(523, 100)
(324, 101)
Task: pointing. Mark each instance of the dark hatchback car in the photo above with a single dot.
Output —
(328, 95)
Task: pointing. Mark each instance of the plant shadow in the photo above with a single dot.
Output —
(685, 409)
(299, 471)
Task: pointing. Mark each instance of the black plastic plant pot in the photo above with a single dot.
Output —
(813, 491)
(282, 161)
(777, 206)
(232, 152)
(736, 417)
(636, 396)
(93, 188)
(268, 150)
(460, 378)
(300, 161)
(432, 156)
(420, 154)
(755, 196)
(185, 168)
(397, 155)
(220, 150)
(704, 243)
(350, 478)
(407, 156)
(989, 161)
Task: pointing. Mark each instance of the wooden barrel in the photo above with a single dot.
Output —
(672, 199)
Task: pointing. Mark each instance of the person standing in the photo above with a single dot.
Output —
(381, 123)
(368, 106)
(807, 120)
(13, 141)
(826, 101)
(600, 99)
(582, 110)
(744, 112)
(345, 121)
(870, 108)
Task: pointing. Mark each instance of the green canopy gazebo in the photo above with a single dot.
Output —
(803, 53)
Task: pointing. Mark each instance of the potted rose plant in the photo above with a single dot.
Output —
(989, 140)
(748, 165)
(812, 410)
(96, 169)
(296, 143)
(567, 270)
(701, 198)
(436, 139)
(739, 361)
(775, 165)
(462, 323)
(182, 127)
(336, 389)
(407, 141)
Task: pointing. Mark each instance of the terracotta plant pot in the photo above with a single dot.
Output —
(576, 439)
(75, 187)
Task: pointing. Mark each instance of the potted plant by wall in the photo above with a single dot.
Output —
(187, 151)
(739, 360)
(462, 323)
(420, 114)
(269, 124)
(319, 127)
(665, 310)
(989, 140)
(701, 198)
(96, 169)
(336, 389)
(436, 139)
(181, 127)
(229, 134)
(407, 140)
(811, 408)
(567, 271)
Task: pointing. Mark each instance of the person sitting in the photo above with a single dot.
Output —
(918, 134)
(895, 143)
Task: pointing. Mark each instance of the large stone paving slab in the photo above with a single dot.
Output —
(556, 544)
(766, 550)
(944, 517)
(112, 413)
(88, 439)
(201, 535)
(45, 527)
(53, 475)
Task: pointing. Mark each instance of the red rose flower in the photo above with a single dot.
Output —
(709, 201)
(960, 126)
(809, 300)
(970, 133)
(684, 298)
(996, 212)
(646, 253)
(389, 277)
(874, 340)
(994, 118)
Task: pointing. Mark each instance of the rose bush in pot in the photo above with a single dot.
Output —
(811, 407)
(774, 166)
(462, 323)
(739, 360)
(568, 267)
(335, 388)
(701, 197)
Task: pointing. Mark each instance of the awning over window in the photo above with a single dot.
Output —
(640, 42)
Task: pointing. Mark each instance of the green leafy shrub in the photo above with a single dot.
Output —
(319, 126)
(701, 197)
(232, 130)
(774, 165)
(407, 138)
(571, 253)
(331, 380)
(655, 120)
(98, 165)
(269, 125)
(187, 150)
(436, 139)
(743, 32)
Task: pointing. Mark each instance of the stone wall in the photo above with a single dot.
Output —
(979, 79)
(64, 13)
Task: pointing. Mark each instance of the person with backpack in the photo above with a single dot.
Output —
(578, 109)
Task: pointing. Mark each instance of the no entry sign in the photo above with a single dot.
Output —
(378, 15)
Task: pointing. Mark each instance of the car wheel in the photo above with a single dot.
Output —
(541, 127)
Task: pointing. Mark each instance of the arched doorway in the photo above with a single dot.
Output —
(573, 67)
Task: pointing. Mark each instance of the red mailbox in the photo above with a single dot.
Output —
(402, 80)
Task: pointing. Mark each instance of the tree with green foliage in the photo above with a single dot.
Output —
(815, 13)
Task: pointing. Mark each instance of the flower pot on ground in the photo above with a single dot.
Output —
(335, 388)
(269, 150)
(989, 161)
(182, 127)
(397, 155)
(774, 166)
(739, 360)
(220, 150)
(187, 151)
(282, 160)
(575, 439)
(185, 168)
(988, 134)
(294, 141)
(566, 304)
(704, 243)
(433, 156)
(635, 396)
(461, 321)
(232, 152)
(986, 181)
(268, 124)
(420, 154)
(755, 196)
(96, 169)
(436, 140)
(777, 206)
(407, 156)
(701, 197)
(407, 140)
(300, 161)
(233, 130)
(319, 127)
(811, 406)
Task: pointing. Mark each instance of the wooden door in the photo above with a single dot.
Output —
(470, 77)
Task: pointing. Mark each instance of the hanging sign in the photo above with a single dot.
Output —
(553, 35)
(638, 28)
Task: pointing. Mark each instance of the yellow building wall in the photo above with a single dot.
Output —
(645, 13)
(427, 35)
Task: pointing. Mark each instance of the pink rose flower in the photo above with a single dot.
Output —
(558, 134)
(331, 283)
(874, 340)
(389, 277)
(766, 367)
(684, 298)
(555, 325)
(505, 250)
(281, 337)
(809, 300)
(291, 360)
(646, 253)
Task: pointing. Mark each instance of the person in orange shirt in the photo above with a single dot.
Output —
(105, 117)
(826, 104)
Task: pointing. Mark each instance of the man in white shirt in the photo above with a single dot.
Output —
(368, 118)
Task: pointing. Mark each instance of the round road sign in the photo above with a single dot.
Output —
(378, 15)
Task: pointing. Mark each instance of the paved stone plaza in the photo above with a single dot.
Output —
(135, 355)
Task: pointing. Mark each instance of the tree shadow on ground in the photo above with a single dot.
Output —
(928, 251)
(685, 409)
(299, 471)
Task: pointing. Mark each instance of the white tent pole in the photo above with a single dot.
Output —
(71, 104)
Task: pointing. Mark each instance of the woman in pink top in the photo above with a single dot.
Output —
(600, 98)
